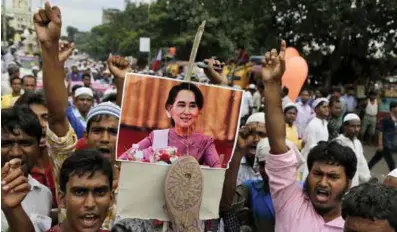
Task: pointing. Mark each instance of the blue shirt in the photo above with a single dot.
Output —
(389, 129)
(75, 122)
(261, 203)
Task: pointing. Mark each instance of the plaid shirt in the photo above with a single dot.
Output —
(334, 125)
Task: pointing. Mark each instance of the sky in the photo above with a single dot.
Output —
(82, 14)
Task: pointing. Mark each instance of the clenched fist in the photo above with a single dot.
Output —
(118, 66)
(274, 64)
(48, 23)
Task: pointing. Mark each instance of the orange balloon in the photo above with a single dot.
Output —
(295, 76)
(291, 52)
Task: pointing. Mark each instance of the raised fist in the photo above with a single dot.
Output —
(274, 64)
(65, 50)
(118, 66)
(14, 185)
(48, 23)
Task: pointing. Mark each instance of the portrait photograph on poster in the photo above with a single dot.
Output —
(163, 119)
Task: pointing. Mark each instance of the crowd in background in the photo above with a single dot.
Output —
(299, 165)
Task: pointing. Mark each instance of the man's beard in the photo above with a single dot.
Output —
(323, 211)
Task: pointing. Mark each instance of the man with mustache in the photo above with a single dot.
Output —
(370, 207)
(331, 166)
(352, 126)
(20, 137)
(255, 129)
(102, 120)
(86, 180)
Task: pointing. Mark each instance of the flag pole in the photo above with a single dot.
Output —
(193, 53)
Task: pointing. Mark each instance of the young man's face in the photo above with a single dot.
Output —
(353, 224)
(323, 110)
(336, 109)
(83, 103)
(42, 114)
(87, 81)
(87, 200)
(305, 96)
(290, 116)
(102, 135)
(29, 84)
(19, 145)
(257, 131)
(326, 185)
(16, 85)
(352, 128)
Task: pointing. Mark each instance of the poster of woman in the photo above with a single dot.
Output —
(163, 119)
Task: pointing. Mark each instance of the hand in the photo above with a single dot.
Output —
(243, 136)
(48, 23)
(214, 76)
(118, 66)
(14, 185)
(274, 64)
(65, 50)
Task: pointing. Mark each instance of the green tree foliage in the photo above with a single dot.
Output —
(342, 39)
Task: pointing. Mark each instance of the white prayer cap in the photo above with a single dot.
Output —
(289, 105)
(35, 68)
(318, 101)
(251, 86)
(263, 150)
(106, 71)
(83, 91)
(393, 173)
(257, 117)
(351, 117)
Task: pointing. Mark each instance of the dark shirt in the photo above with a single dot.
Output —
(334, 125)
(389, 129)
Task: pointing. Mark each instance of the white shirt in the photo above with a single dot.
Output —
(257, 100)
(372, 109)
(246, 172)
(285, 101)
(37, 205)
(316, 131)
(82, 120)
(247, 103)
(362, 174)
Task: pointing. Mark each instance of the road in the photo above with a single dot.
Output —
(380, 169)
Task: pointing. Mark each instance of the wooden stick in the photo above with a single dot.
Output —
(193, 54)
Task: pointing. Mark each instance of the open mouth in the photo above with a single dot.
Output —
(322, 195)
(89, 220)
(105, 152)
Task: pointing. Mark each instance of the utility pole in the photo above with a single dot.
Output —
(4, 19)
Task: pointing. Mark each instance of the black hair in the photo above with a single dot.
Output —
(336, 89)
(333, 153)
(23, 118)
(85, 161)
(184, 86)
(29, 76)
(305, 89)
(285, 90)
(374, 201)
(86, 75)
(371, 93)
(290, 107)
(12, 79)
(75, 87)
(393, 105)
(333, 100)
(30, 98)
(111, 97)
(97, 118)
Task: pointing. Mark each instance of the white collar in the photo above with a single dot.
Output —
(34, 184)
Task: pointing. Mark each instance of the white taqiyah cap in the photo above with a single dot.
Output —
(251, 86)
(318, 101)
(83, 91)
(257, 117)
(351, 117)
(289, 105)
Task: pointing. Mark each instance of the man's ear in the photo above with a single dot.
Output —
(349, 183)
(61, 200)
(86, 135)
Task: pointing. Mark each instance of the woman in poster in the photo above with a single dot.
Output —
(183, 106)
